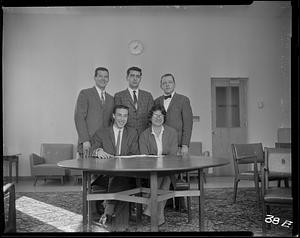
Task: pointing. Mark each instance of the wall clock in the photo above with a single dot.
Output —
(136, 47)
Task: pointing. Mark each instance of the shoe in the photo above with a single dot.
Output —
(106, 220)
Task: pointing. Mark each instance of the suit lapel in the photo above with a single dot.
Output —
(164, 140)
(96, 96)
(129, 98)
(112, 139)
(173, 101)
(124, 142)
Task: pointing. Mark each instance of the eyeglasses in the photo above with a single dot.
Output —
(158, 115)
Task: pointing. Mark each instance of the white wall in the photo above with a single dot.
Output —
(50, 55)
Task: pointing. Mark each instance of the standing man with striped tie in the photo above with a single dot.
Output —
(93, 110)
(138, 101)
(117, 139)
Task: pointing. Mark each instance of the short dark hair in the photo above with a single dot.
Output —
(166, 75)
(157, 107)
(118, 106)
(135, 69)
(100, 69)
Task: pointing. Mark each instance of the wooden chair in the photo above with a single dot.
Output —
(45, 165)
(277, 161)
(10, 222)
(182, 183)
(196, 149)
(283, 145)
(245, 154)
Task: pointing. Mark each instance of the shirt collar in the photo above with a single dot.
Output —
(131, 91)
(162, 130)
(172, 94)
(99, 90)
(117, 129)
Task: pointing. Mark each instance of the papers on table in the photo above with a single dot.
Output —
(136, 156)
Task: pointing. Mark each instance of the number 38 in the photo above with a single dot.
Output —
(272, 219)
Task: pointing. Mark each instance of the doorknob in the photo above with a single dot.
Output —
(213, 132)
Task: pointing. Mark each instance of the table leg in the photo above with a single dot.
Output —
(153, 201)
(89, 202)
(201, 200)
(139, 205)
(84, 202)
(17, 169)
(10, 170)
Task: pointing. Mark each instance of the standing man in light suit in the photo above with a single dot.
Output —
(179, 112)
(138, 101)
(179, 116)
(93, 110)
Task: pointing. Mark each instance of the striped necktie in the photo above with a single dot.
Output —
(102, 97)
(134, 99)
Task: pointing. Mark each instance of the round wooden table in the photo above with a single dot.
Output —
(142, 167)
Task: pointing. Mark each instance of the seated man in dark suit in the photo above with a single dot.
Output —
(107, 142)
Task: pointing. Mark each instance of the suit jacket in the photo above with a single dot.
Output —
(91, 114)
(148, 145)
(104, 138)
(136, 118)
(179, 116)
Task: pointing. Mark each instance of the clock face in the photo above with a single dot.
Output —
(136, 47)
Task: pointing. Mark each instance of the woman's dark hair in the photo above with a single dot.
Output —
(157, 107)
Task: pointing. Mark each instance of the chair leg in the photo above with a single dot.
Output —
(257, 191)
(263, 219)
(204, 176)
(189, 209)
(35, 180)
(286, 182)
(278, 183)
(62, 180)
(235, 186)
(268, 212)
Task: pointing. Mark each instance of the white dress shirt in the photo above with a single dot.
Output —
(99, 92)
(167, 101)
(136, 93)
(158, 140)
(116, 132)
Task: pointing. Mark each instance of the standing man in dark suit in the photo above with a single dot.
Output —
(93, 110)
(117, 139)
(138, 101)
(179, 112)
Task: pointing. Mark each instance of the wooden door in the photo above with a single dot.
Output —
(229, 118)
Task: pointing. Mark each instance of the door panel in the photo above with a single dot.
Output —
(229, 124)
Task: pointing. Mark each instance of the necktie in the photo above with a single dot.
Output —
(102, 97)
(118, 151)
(134, 99)
(169, 96)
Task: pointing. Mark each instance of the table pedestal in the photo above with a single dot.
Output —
(135, 196)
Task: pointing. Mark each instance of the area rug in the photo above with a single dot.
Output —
(221, 215)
